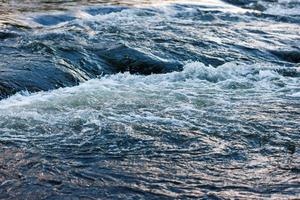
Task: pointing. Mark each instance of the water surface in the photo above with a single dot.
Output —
(147, 100)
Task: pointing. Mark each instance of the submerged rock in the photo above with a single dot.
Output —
(292, 56)
(124, 58)
(36, 72)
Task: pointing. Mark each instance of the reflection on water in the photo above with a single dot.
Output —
(13, 6)
(7, 6)
(149, 100)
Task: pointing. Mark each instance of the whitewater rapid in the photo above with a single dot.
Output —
(127, 100)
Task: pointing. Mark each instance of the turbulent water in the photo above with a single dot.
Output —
(150, 99)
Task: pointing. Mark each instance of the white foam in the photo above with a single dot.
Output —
(297, 94)
(125, 86)
(176, 100)
(282, 8)
(165, 7)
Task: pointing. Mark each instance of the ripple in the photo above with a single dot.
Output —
(135, 100)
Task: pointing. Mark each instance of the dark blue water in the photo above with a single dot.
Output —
(147, 100)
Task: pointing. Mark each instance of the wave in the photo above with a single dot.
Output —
(66, 48)
(274, 7)
(149, 102)
(230, 76)
(284, 7)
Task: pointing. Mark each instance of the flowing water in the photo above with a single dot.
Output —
(150, 99)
